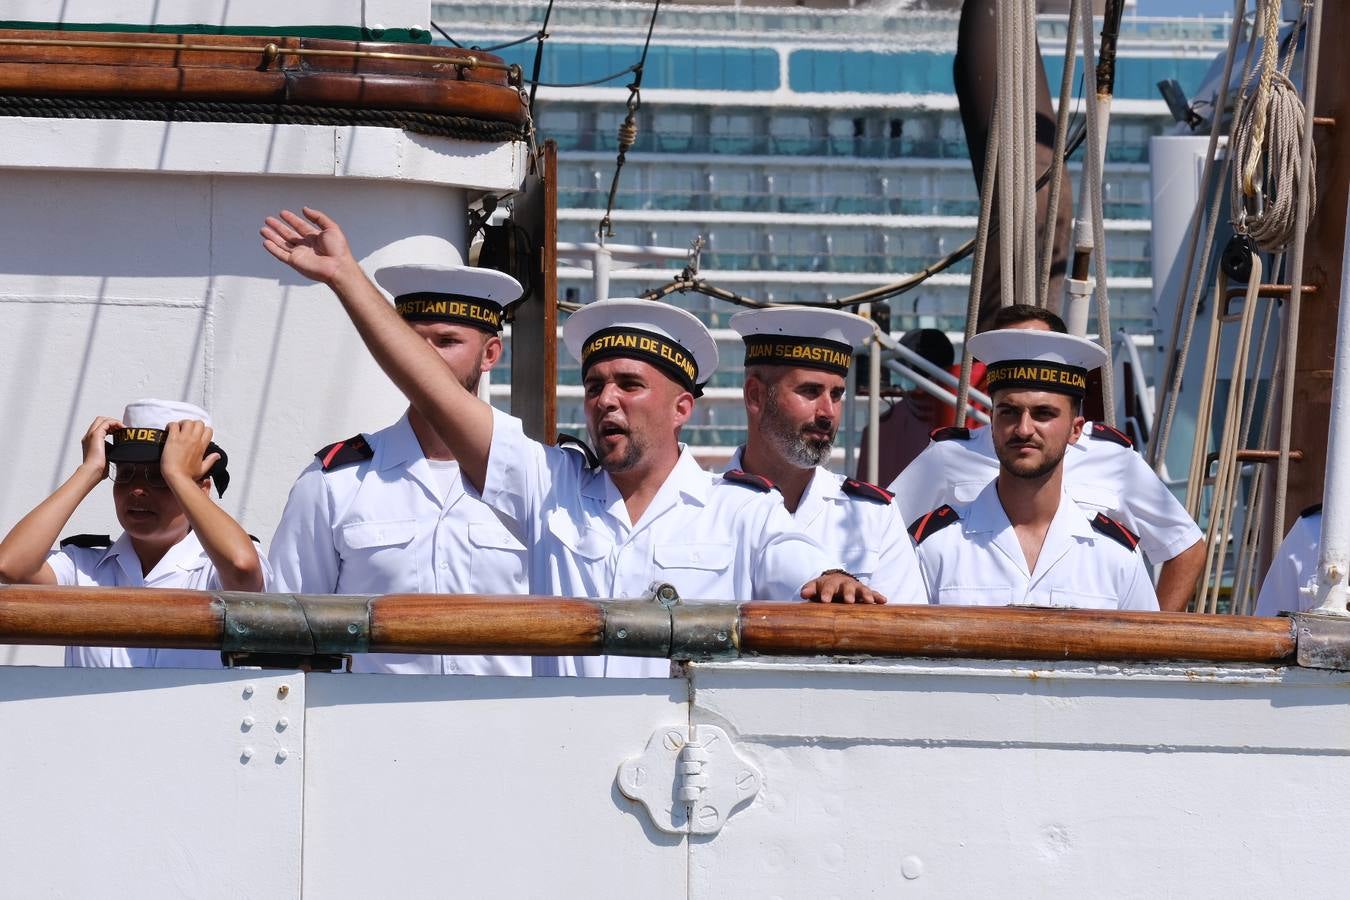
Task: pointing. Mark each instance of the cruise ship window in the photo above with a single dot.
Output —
(732, 247)
(796, 190)
(672, 187)
(562, 125)
(793, 135)
(578, 187)
(732, 133)
(800, 249)
(673, 132)
(849, 192)
(736, 190)
(849, 251)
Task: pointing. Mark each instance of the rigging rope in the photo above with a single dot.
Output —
(1092, 181)
(628, 129)
(1057, 160)
(1268, 174)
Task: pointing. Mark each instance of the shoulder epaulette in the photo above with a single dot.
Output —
(88, 541)
(1116, 532)
(949, 433)
(931, 523)
(1103, 432)
(577, 445)
(1311, 511)
(758, 482)
(866, 490)
(344, 453)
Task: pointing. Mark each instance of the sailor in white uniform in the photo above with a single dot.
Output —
(1102, 472)
(797, 362)
(388, 512)
(646, 512)
(1290, 583)
(163, 464)
(1023, 540)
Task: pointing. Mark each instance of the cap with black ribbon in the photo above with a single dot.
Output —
(145, 428)
(669, 338)
(456, 295)
(801, 337)
(1019, 358)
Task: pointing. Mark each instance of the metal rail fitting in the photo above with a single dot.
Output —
(1323, 640)
(295, 624)
(662, 625)
(269, 52)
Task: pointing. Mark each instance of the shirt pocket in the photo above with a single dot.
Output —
(861, 562)
(1097, 496)
(377, 552)
(589, 544)
(496, 559)
(1060, 597)
(699, 571)
(973, 595)
(967, 491)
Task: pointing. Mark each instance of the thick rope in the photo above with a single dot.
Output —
(461, 127)
(991, 154)
(1313, 13)
(1192, 284)
(1092, 182)
(1057, 162)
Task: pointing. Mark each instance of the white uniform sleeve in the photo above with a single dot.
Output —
(303, 557)
(922, 485)
(1138, 589)
(897, 575)
(1294, 564)
(518, 475)
(1150, 509)
(63, 564)
(785, 559)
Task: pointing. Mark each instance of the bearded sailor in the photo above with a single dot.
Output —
(797, 361)
(1023, 540)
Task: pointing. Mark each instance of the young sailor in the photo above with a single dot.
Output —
(162, 463)
(388, 512)
(797, 362)
(645, 512)
(1102, 471)
(1023, 540)
(1289, 585)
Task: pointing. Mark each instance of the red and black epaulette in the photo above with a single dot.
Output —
(931, 523)
(577, 445)
(344, 453)
(1311, 511)
(1116, 532)
(749, 479)
(1103, 432)
(88, 541)
(949, 433)
(867, 491)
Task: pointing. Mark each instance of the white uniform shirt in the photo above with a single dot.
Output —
(1294, 566)
(978, 561)
(1100, 474)
(867, 535)
(709, 538)
(185, 566)
(384, 526)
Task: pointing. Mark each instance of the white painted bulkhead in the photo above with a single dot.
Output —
(957, 778)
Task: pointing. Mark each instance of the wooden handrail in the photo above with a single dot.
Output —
(546, 626)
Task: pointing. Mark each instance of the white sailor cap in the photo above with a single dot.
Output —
(144, 428)
(460, 295)
(1037, 360)
(801, 336)
(674, 341)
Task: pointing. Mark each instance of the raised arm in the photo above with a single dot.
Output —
(315, 247)
(184, 465)
(23, 553)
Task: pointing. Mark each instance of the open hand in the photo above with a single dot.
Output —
(184, 454)
(314, 246)
(92, 445)
(840, 587)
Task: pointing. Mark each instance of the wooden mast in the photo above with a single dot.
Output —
(1322, 271)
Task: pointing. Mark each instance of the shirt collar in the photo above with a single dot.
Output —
(397, 445)
(186, 555)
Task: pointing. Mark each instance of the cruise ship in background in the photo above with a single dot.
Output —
(818, 151)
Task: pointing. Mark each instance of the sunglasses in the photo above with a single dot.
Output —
(126, 473)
